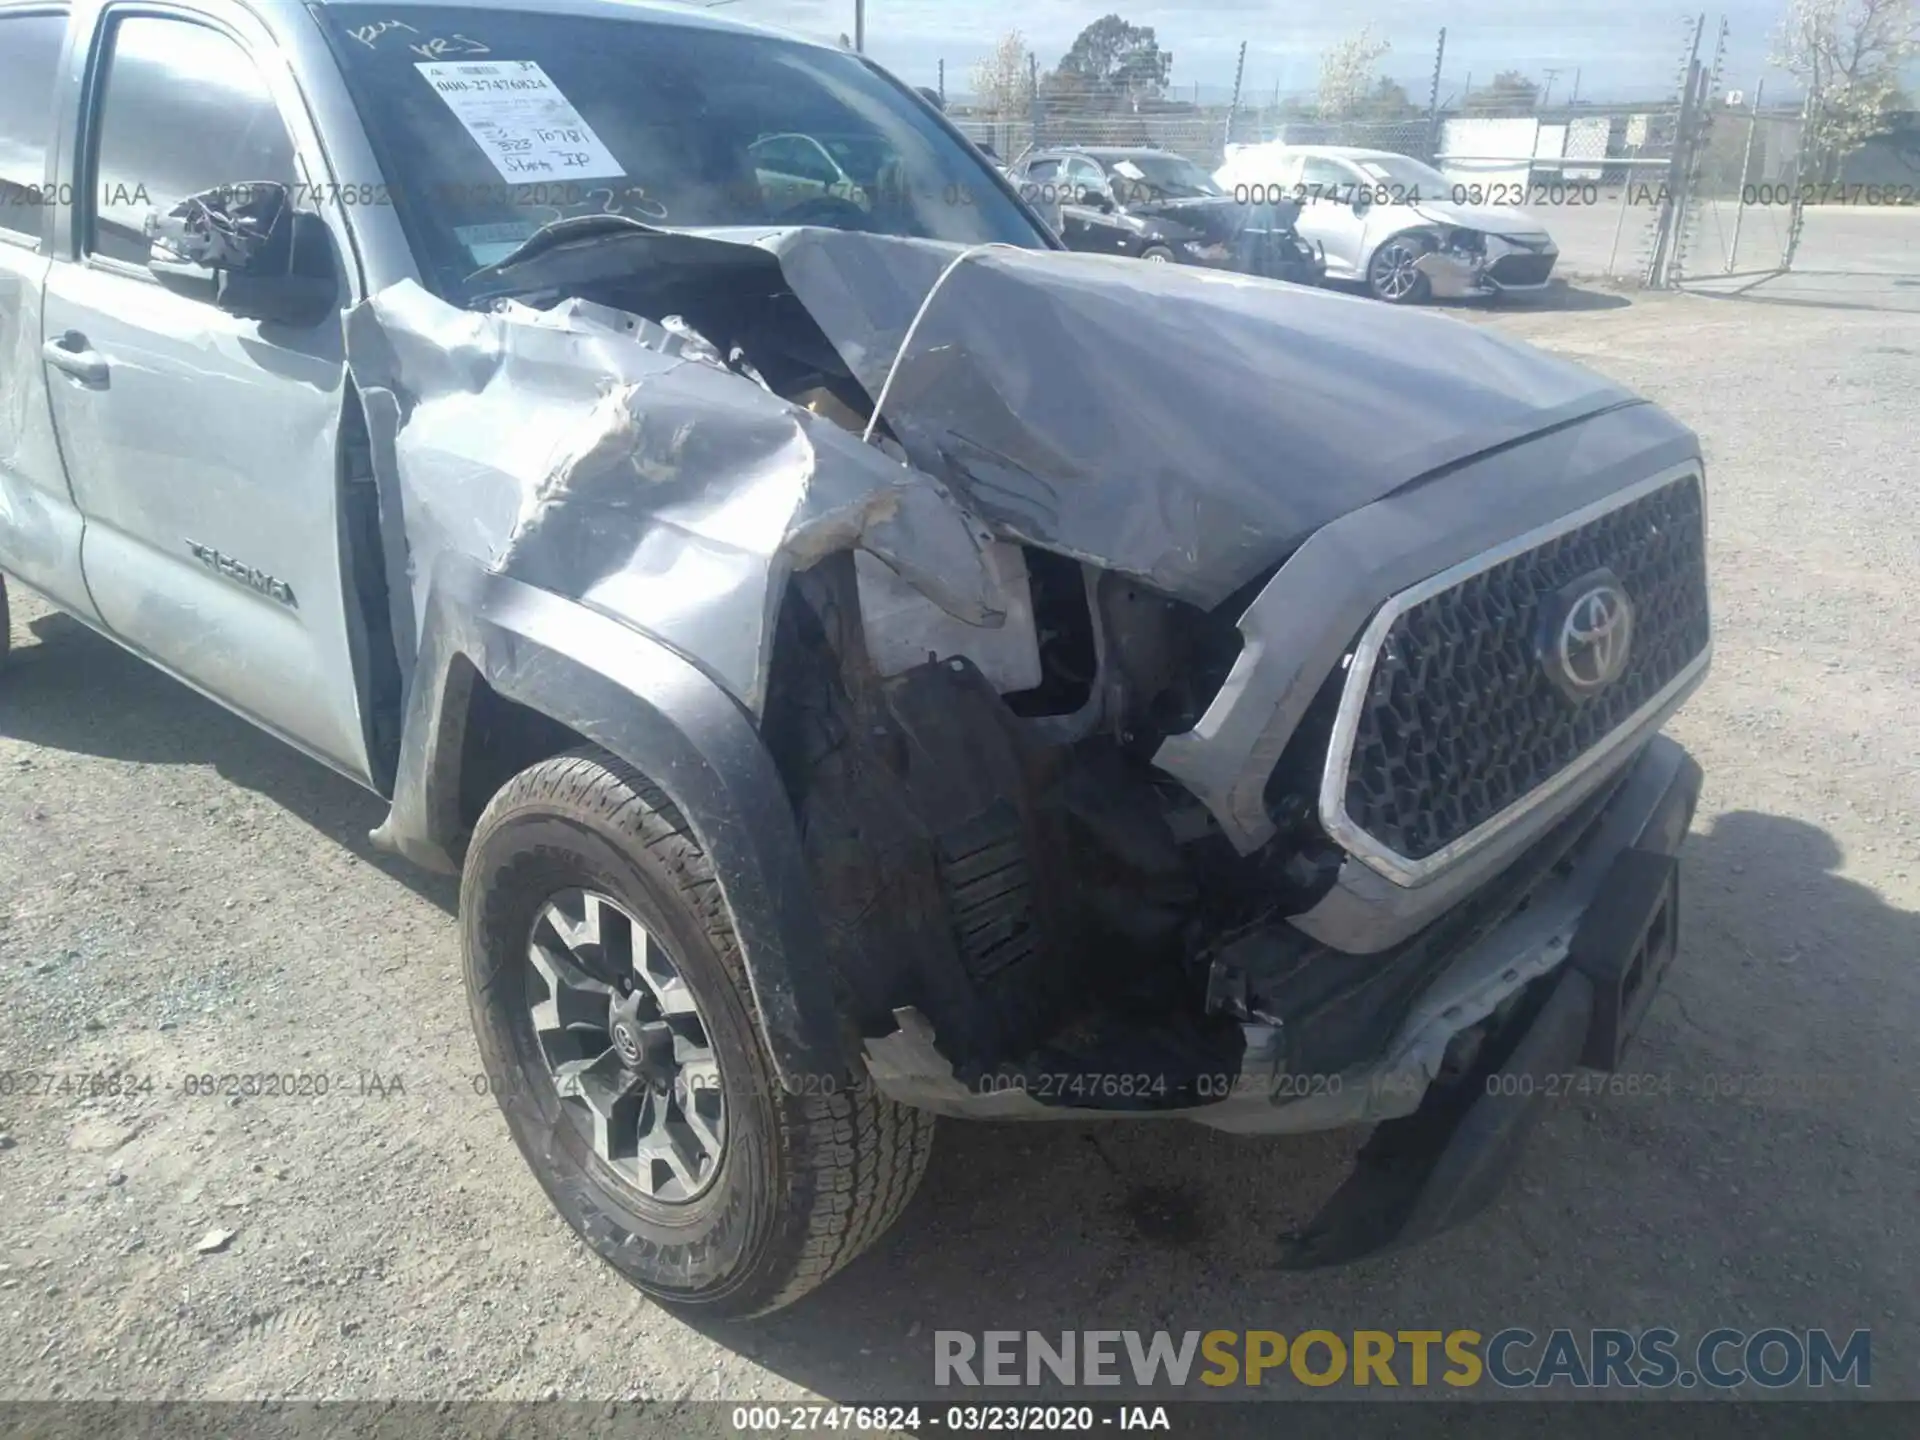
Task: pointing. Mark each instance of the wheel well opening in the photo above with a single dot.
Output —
(500, 738)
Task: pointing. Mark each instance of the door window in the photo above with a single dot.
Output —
(1322, 179)
(29, 61)
(1084, 174)
(183, 110)
(799, 156)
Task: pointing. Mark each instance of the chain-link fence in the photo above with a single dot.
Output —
(1594, 173)
(1742, 220)
(1753, 204)
(1765, 210)
(1197, 134)
(1593, 176)
(1404, 137)
(1701, 187)
(1202, 134)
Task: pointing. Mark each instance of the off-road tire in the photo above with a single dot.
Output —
(808, 1178)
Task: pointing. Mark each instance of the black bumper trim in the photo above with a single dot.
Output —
(1441, 1165)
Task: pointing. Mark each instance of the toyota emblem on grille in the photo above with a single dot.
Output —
(1589, 635)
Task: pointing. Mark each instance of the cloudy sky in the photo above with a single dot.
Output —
(1625, 49)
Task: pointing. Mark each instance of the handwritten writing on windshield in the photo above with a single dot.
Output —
(370, 35)
(439, 47)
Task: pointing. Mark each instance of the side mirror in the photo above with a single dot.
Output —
(247, 250)
(1098, 199)
(1362, 204)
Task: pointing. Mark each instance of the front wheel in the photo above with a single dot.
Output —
(615, 1027)
(1392, 274)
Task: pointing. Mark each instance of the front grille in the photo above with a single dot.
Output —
(1459, 719)
(1522, 269)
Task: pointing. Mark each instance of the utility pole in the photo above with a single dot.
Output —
(1033, 100)
(1233, 108)
(860, 26)
(1433, 96)
(1546, 93)
(1672, 204)
(1746, 164)
(1576, 88)
(943, 82)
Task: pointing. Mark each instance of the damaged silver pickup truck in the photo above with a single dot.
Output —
(864, 662)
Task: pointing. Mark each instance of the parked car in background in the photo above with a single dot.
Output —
(1391, 223)
(797, 169)
(1158, 206)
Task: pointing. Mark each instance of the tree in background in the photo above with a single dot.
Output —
(1511, 93)
(1849, 55)
(1110, 66)
(1388, 100)
(1003, 82)
(1346, 74)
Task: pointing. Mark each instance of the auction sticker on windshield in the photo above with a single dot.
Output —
(528, 129)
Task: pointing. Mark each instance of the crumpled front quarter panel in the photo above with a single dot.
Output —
(609, 460)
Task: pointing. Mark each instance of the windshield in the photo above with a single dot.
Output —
(490, 123)
(1407, 173)
(1158, 177)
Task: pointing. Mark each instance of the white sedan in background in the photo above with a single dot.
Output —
(1390, 222)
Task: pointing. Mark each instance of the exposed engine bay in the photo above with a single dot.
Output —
(940, 520)
(993, 847)
(1464, 262)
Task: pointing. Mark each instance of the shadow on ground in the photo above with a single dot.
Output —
(1676, 1207)
(1140, 1226)
(1815, 290)
(79, 692)
(1560, 295)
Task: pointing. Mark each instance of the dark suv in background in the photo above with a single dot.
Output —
(1152, 204)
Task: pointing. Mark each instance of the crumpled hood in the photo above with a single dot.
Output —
(1190, 427)
(1217, 217)
(1184, 426)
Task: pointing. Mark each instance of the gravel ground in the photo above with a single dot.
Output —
(179, 896)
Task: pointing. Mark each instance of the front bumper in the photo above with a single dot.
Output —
(1444, 1163)
(1647, 813)
(1504, 268)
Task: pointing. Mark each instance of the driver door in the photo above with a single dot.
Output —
(1326, 190)
(1099, 228)
(201, 446)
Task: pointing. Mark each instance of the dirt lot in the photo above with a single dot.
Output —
(180, 896)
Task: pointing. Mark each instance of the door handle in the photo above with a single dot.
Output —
(70, 352)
